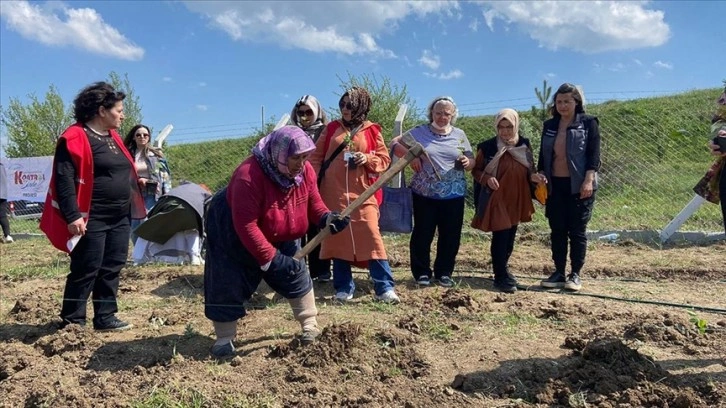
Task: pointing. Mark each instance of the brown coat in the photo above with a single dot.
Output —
(362, 240)
(511, 203)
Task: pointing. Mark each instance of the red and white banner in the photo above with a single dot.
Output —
(28, 178)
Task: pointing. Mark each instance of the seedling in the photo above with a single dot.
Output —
(701, 324)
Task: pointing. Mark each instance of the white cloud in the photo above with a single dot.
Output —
(349, 27)
(550, 75)
(638, 62)
(584, 26)
(56, 24)
(663, 65)
(489, 17)
(474, 25)
(617, 67)
(166, 79)
(430, 60)
(202, 108)
(453, 74)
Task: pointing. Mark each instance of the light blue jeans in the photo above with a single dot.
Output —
(379, 269)
(149, 201)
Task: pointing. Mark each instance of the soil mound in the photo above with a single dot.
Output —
(605, 373)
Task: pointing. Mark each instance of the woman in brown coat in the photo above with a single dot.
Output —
(349, 172)
(504, 170)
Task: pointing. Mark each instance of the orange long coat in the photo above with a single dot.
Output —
(361, 241)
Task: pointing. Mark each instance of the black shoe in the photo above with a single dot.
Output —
(573, 282)
(112, 324)
(556, 280)
(506, 287)
(446, 282)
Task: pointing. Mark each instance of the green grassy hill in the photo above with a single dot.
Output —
(653, 153)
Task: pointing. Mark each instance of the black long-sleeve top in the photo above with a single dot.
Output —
(111, 196)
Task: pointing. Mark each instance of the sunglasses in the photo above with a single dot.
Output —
(345, 105)
(303, 113)
(141, 135)
(510, 127)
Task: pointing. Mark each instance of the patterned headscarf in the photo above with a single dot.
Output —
(318, 121)
(360, 101)
(273, 151)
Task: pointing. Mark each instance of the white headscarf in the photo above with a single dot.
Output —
(319, 119)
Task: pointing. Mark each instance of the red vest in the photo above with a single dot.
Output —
(52, 222)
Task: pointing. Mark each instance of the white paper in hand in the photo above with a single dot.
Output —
(72, 242)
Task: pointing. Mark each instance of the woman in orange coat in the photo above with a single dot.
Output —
(348, 172)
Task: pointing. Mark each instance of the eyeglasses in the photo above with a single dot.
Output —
(302, 113)
(345, 105)
(141, 135)
(510, 127)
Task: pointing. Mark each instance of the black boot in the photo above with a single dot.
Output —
(504, 281)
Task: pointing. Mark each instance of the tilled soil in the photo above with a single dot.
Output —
(464, 346)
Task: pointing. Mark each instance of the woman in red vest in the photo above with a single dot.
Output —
(93, 194)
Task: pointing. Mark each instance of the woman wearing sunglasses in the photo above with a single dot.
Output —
(151, 167)
(308, 115)
(354, 153)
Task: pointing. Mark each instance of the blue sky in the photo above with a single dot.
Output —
(208, 67)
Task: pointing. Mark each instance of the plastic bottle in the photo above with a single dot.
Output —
(609, 237)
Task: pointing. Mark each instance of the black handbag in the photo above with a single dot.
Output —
(397, 208)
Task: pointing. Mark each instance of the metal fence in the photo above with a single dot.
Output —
(653, 154)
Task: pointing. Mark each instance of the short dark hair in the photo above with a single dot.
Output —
(92, 97)
(129, 139)
(576, 95)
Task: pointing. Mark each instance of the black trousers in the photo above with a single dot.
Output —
(429, 215)
(722, 194)
(568, 216)
(96, 264)
(4, 223)
(501, 249)
(318, 267)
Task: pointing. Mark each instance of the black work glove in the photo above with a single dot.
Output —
(284, 264)
(334, 221)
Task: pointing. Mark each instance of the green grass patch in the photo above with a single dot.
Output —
(54, 269)
(511, 322)
(178, 397)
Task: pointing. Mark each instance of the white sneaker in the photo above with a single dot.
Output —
(343, 296)
(388, 296)
(8, 239)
